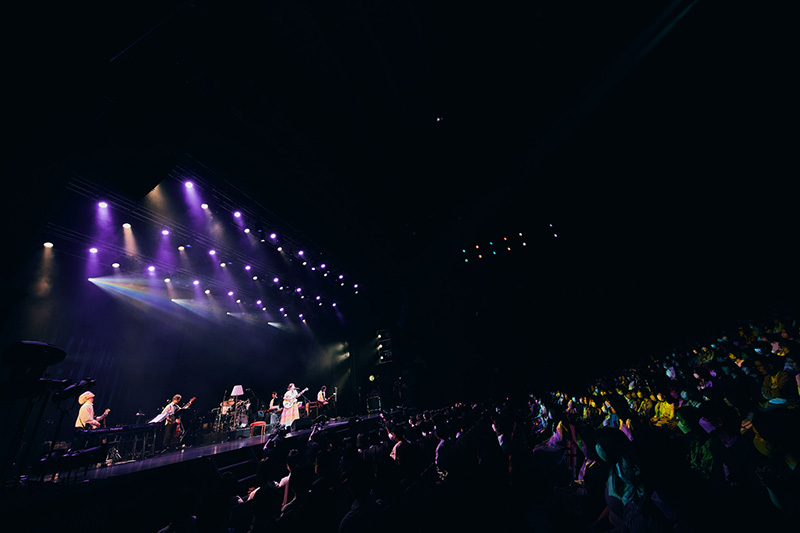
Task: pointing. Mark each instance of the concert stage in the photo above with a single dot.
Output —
(134, 495)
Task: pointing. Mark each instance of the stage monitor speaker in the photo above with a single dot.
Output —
(302, 423)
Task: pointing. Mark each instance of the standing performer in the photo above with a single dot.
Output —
(274, 410)
(291, 411)
(323, 401)
(86, 419)
(172, 423)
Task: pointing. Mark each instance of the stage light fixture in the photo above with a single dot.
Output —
(114, 265)
(207, 291)
(188, 184)
(280, 248)
(204, 206)
(212, 252)
(322, 265)
(230, 293)
(102, 205)
(127, 225)
(273, 236)
(164, 232)
(222, 264)
(255, 278)
(48, 244)
(196, 282)
(181, 248)
(93, 250)
(237, 214)
(167, 280)
(151, 269)
(247, 230)
(275, 280)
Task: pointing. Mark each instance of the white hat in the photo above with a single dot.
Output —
(85, 396)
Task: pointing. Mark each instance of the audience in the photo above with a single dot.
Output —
(706, 438)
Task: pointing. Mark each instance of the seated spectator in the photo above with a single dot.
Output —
(629, 503)
(777, 439)
(778, 386)
(664, 412)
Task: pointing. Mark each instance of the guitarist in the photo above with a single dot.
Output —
(172, 422)
(86, 420)
(323, 401)
(291, 410)
(274, 410)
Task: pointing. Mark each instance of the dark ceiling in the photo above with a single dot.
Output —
(397, 133)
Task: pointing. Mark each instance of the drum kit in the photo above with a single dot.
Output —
(231, 414)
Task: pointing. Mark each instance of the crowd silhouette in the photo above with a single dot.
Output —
(705, 438)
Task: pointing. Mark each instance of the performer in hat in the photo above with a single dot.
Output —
(86, 420)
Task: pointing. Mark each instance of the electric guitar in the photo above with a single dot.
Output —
(98, 419)
(174, 418)
(288, 404)
(327, 400)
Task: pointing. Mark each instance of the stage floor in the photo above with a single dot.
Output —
(191, 453)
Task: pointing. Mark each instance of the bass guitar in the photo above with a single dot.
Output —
(289, 403)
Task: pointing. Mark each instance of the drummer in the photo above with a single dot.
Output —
(226, 405)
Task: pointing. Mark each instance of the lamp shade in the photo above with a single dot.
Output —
(237, 390)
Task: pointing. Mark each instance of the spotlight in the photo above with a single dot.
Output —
(247, 230)
(238, 301)
(255, 278)
(167, 280)
(322, 265)
(230, 293)
(102, 205)
(48, 244)
(151, 269)
(275, 280)
(273, 236)
(341, 276)
(181, 248)
(258, 302)
(204, 206)
(93, 250)
(114, 265)
(212, 252)
(280, 248)
(301, 253)
(237, 214)
(222, 264)
(196, 282)
(188, 184)
(126, 225)
(207, 291)
(164, 232)
(247, 267)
